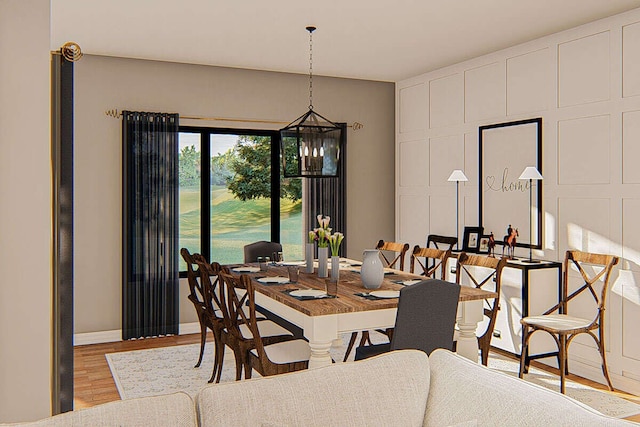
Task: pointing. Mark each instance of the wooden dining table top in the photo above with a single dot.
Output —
(349, 285)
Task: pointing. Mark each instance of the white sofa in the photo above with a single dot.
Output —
(401, 388)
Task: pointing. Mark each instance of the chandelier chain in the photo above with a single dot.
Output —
(311, 69)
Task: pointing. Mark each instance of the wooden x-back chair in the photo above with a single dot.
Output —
(441, 242)
(483, 273)
(400, 250)
(444, 243)
(593, 268)
(214, 305)
(196, 296)
(268, 356)
(435, 260)
(240, 319)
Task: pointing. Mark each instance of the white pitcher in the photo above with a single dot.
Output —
(372, 271)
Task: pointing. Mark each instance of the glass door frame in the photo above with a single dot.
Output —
(205, 179)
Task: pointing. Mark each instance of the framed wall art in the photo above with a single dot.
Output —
(505, 150)
(483, 246)
(471, 239)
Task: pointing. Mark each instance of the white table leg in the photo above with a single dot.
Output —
(470, 313)
(321, 331)
(320, 355)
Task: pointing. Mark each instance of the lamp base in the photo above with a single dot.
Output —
(531, 261)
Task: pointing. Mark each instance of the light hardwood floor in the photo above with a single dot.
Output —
(93, 383)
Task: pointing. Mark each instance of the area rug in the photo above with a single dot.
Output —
(165, 370)
(170, 369)
(603, 402)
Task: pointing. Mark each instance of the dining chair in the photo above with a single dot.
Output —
(425, 319)
(435, 260)
(595, 272)
(239, 312)
(484, 273)
(258, 249)
(437, 241)
(397, 261)
(268, 357)
(196, 296)
(215, 309)
(441, 242)
(399, 250)
(214, 300)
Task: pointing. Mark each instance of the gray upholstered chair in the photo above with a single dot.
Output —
(261, 248)
(425, 320)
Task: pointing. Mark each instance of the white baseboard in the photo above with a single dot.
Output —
(116, 334)
(189, 328)
(594, 373)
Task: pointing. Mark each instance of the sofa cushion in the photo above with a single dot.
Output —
(377, 391)
(462, 390)
(169, 410)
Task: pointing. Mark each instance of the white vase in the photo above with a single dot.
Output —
(323, 258)
(335, 268)
(308, 257)
(372, 271)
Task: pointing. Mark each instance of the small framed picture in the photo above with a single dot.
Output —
(471, 239)
(483, 246)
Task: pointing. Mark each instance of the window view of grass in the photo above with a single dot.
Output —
(236, 223)
(240, 198)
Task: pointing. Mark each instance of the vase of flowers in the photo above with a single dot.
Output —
(323, 259)
(335, 268)
(334, 244)
(323, 233)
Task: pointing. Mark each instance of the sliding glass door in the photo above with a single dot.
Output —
(232, 194)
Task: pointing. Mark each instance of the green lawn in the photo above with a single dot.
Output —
(236, 223)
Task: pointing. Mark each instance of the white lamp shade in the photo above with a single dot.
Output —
(530, 172)
(457, 175)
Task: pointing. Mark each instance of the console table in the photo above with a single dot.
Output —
(527, 289)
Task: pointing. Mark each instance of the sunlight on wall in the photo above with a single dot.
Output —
(631, 291)
(585, 240)
(549, 231)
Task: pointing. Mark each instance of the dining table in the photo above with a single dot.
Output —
(325, 318)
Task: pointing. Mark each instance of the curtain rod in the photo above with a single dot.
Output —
(117, 114)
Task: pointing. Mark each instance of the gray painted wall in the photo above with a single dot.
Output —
(104, 83)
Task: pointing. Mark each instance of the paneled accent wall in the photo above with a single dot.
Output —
(585, 84)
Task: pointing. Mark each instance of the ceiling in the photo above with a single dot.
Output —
(364, 39)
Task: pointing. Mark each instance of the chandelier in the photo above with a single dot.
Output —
(310, 144)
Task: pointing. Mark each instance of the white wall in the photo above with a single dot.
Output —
(104, 83)
(585, 84)
(25, 211)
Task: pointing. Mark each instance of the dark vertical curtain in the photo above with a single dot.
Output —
(328, 196)
(150, 224)
(63, 279)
